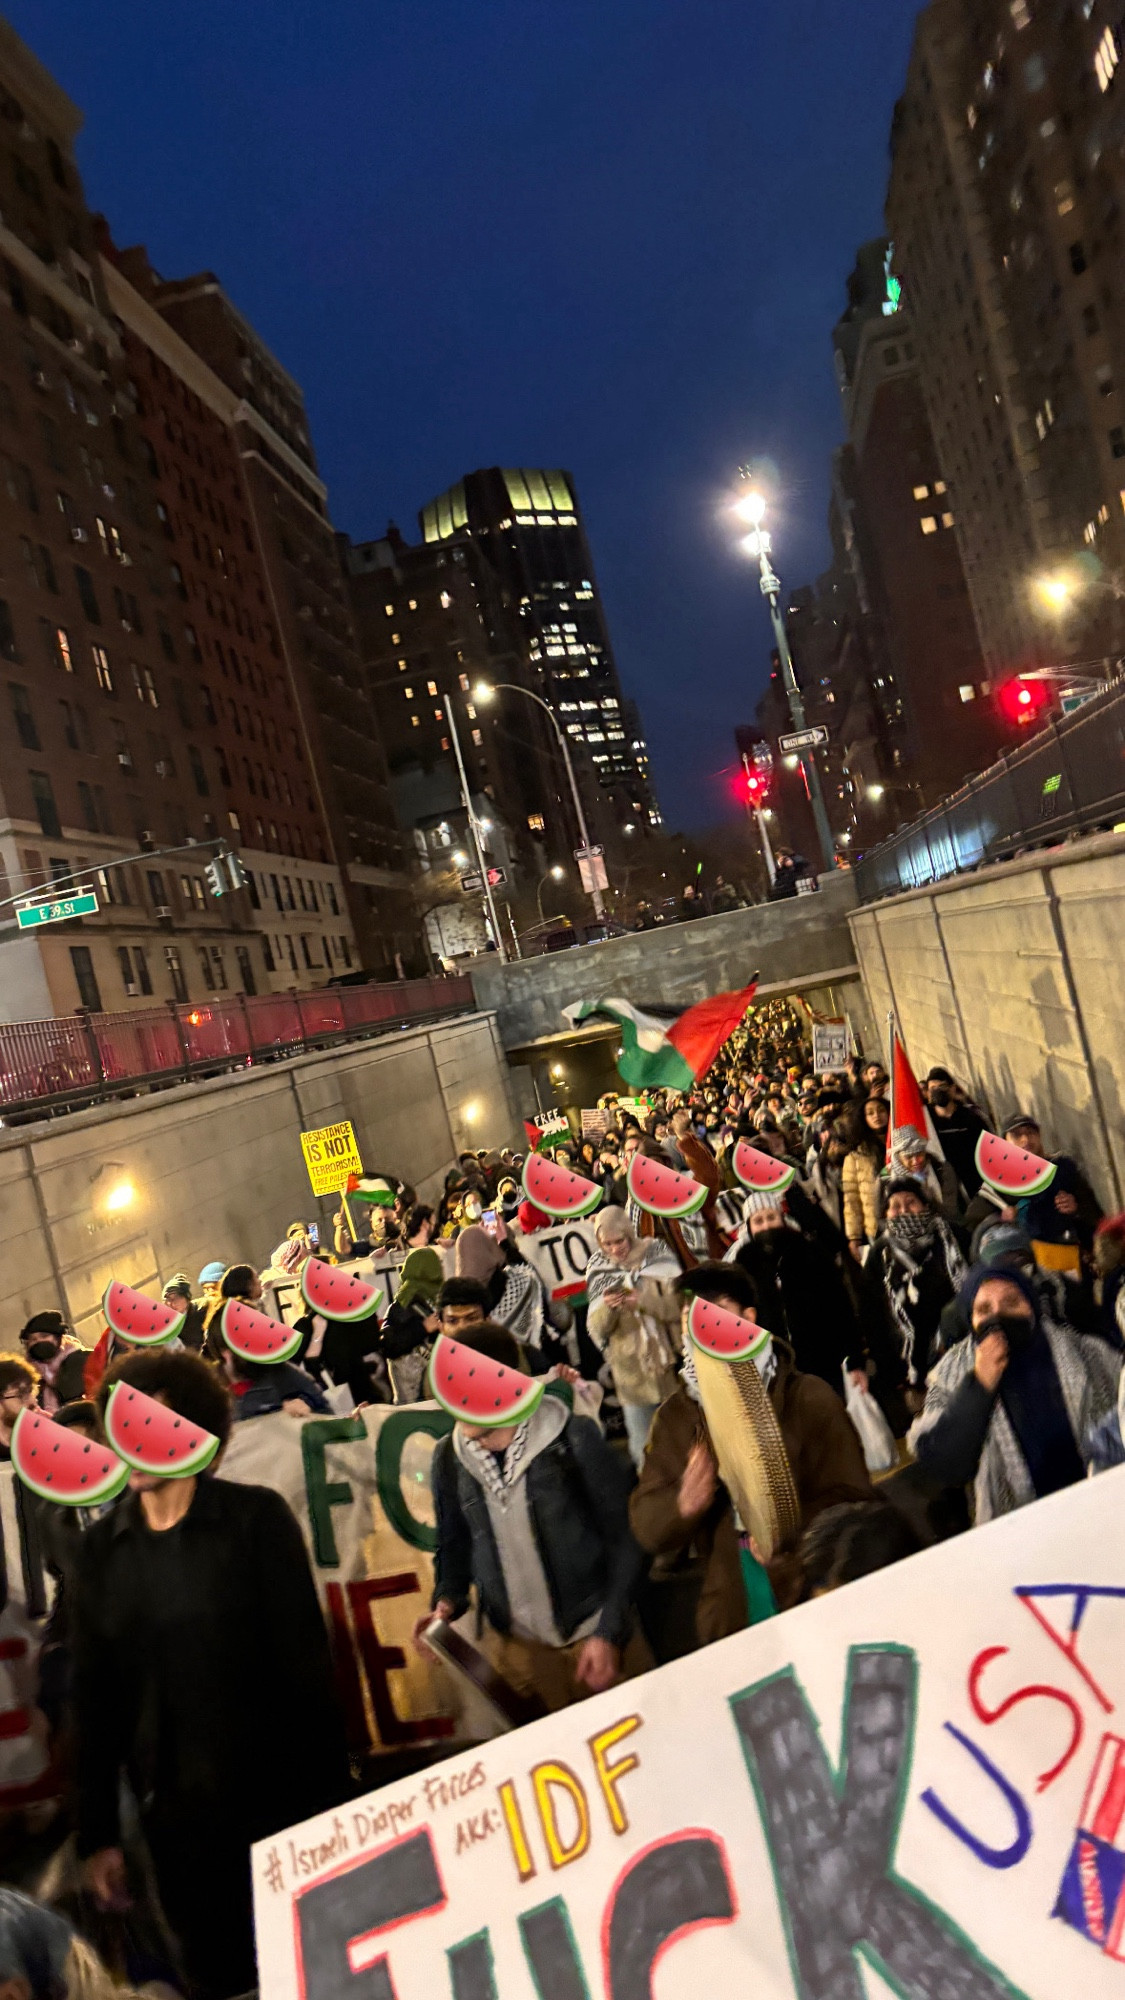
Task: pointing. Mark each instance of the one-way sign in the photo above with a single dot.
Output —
(804, 739)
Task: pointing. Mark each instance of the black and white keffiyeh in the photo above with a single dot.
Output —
(497, 1473)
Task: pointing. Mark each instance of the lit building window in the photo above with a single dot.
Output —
(446, 601)
(1106, 58)
(967, 693)
(409, 693)
(928, 524)
(947, 520)
(389, 609)
(921, 492)
(477, 738)
(431, 687)
(939, 486)
(438, 717)
(536, 822)
(415, 722)
(464, 681)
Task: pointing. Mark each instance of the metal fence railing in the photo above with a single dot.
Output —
(1066, 779)
(79, 1058)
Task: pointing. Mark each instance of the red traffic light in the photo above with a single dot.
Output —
(1024, 700)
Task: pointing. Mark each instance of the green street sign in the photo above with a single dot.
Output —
(83, 905)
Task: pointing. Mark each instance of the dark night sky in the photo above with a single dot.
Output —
(612, 237)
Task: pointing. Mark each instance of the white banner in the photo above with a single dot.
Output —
(360, 1488)
(25, 1773)
(914, 1786)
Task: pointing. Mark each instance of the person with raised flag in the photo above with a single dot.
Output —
(668, 1054)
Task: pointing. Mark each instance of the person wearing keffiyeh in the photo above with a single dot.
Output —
(680, 1510)
(915, 1268)
(1009, 1409)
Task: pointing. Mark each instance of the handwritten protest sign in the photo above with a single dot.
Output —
(831, 1045)
(560, 1254)
(914, 1786)
(331, 1156)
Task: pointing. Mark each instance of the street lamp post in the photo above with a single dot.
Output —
(474, 830)
(484, 693)
(552, 875)
(757, 543)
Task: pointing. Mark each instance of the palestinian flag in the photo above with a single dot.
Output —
(670, 1054)
(908, 1106)
(379, 1193)
(543, 1134)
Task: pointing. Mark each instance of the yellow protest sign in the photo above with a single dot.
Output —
(331, 1154)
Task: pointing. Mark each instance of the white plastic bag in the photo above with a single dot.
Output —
(875, 1434)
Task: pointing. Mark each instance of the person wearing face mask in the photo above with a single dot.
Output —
(958, 1125)
(681, 1511)
(59, 1358)
(1008, 1408)
(800, 1290)
(915, 1269)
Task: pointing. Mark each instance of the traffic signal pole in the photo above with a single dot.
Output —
(474, 831)
(754, 805)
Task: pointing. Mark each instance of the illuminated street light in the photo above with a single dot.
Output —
(1055, 592)
(876, 792)
(751, 507)
(120, 1196)
(555, 874)
(483, 693)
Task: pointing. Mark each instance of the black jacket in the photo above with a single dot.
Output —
(201, 1667)
(802, 1298)
(578, 1496)
(884, 1336)
(343, 1353)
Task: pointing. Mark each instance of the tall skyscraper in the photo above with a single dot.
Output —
(528, 529)
(926, 673)
(297, 562)
(1005, 206)
(107, 748)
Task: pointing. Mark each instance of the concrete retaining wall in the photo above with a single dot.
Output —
(218, 1166)
(677, 964)
(1015, 979)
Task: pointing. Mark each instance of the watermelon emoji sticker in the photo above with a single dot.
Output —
(476, 1390)
(760, 1172)
(1009, 1170)
(146, 1322)
(60, 1464)
(152, 1438)
(336, 1293)
(724, 1334)
(253, 1336)
(557, 1191)
(661, 1190)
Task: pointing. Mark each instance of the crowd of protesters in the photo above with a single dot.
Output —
(934, 1357)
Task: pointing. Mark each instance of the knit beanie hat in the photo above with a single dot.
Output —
(422, 1278)
(761, 1199)
(982, 1274)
